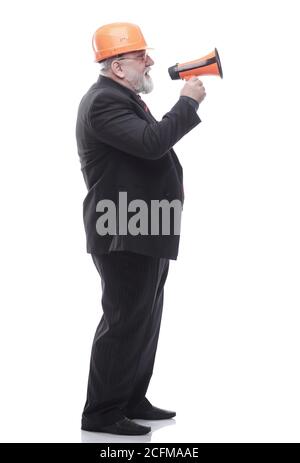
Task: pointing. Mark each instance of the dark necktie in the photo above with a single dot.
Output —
(145, 107)
(143, 103)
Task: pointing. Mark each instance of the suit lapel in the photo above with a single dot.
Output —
(146, 110)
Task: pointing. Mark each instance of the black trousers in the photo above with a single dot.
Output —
(125, 342)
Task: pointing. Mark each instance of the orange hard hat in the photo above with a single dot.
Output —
(116, 38)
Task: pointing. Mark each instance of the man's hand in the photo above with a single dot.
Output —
(194, 89)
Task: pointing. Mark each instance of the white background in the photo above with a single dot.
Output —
(228, 355)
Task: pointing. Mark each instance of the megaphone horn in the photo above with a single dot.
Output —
(207, 65)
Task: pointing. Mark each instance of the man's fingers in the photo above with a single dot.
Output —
(195, 79)
(194, 89)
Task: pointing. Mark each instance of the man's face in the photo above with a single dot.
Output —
(136, 66)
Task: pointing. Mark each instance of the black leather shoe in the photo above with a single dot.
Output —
(152, 413)
(124, 427)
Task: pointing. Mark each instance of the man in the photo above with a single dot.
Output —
(124, 150)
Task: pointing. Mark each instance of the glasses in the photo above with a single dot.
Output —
(142, 57)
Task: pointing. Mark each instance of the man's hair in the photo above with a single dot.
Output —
(105, 64)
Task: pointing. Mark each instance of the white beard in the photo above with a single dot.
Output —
(140, 82)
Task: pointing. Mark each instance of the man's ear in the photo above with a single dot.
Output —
(116, 69)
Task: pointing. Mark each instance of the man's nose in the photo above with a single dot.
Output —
(149, 61)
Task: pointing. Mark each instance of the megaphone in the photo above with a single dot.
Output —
(207, 65)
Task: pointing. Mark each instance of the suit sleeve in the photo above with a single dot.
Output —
(115, 122)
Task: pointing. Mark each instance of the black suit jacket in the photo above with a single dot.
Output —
(123, 148)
